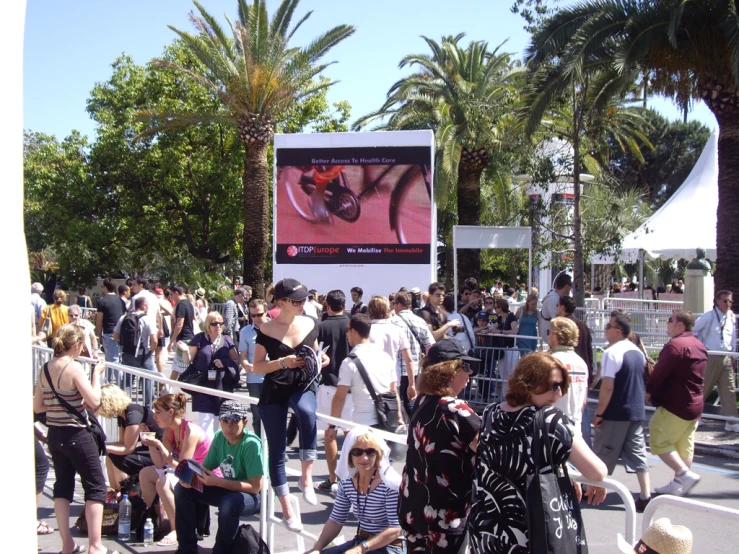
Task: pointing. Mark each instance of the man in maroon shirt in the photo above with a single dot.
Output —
(676, 388)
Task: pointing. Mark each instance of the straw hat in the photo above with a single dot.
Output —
(662, 537)
(200, 293)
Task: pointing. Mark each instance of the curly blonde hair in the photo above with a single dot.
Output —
(565, 330)
(113, 401)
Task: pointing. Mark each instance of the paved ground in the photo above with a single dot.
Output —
(719, 484)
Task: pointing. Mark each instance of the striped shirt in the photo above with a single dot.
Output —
(375, 512)
(56, 414)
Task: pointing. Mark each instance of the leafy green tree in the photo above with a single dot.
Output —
(256, 75)
(677, 147)
(464, 94)
(687, 50)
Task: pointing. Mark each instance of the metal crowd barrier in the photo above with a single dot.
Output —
(688, 504)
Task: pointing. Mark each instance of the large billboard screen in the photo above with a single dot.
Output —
(354, 200)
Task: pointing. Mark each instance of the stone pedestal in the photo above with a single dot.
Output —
(698, 291)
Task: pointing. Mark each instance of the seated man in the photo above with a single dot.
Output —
(237, 452)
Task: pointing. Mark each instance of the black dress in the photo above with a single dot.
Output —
(280, 385)
(497, 520)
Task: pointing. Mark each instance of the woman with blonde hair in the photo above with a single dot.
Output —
(126, 456)
(436, 490)
(369, 486)
(182, 440)
(214, 355)
(57, 312)
(72, 445)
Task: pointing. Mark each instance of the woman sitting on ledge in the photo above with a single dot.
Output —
(369, 486)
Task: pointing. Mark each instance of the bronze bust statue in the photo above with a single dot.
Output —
(700, 261)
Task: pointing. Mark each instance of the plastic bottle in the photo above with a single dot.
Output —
(148, 533)
(124, 519)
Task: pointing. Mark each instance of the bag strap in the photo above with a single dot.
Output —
(412, 330)
(365, 377)
(540, 427)
(67, 406)
(467, 331)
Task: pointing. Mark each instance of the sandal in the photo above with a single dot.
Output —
(43, 529)
(77, 549)
(169, 540)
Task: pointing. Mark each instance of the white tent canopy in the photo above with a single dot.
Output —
(685, 222)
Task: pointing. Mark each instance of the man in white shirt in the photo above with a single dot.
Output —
(91, 342)
(563, 337)
(37, 302)
(140, 289)
(464, 332)
(562, 287)
(390, 338)
(717, 331)
(380, 369)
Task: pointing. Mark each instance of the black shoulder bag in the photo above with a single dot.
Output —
(552, 511)
(386, 404)
(91, 423)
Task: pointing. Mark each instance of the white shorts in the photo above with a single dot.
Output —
(324, 398)
(171, 479)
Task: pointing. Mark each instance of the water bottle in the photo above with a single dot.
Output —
(148, 533)
(124, 519)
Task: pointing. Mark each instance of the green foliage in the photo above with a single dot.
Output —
(677, 147)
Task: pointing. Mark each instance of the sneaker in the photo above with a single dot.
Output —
(732, 427)
(674, 488)
(329, 487)
(641, 503)
(688, 481)
(309, 493)
(292, 524)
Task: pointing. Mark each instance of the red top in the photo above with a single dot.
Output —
(676, 383)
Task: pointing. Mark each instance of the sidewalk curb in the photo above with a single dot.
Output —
(708, 449)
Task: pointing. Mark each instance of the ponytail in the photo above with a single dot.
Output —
(176, 402)
(67, 337)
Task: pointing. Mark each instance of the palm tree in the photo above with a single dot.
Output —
(688, 49)
(256, 75)
(461, 93)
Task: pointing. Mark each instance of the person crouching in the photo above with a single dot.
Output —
(237, 452)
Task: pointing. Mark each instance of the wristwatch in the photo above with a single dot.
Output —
(365, 546)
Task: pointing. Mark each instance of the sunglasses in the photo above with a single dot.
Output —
(74, 315)
(357, 452)
(558, 385)
(216, 323)
(257, 315)
(297, 303)
(470, 368)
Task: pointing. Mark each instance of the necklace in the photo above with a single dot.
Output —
(361, 509)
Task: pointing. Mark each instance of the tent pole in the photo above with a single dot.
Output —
(454, 246)
(641, 273)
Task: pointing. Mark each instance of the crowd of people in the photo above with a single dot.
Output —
(463, 478)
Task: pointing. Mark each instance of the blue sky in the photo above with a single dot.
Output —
(69, 46)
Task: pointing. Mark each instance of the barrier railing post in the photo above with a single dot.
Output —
(623, 492)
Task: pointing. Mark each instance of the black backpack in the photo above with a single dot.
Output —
(131, 334)
(248, 541)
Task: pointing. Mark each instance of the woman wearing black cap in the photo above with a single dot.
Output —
(436, 490)
(289, 382)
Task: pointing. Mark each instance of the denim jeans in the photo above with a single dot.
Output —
(340, 549)
(231, 506)
(403, 390)
(586, 428)
(112, 354)
(145, 362)
(255, 389)
(274, 419)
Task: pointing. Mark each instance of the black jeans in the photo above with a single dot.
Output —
(407, 404)
(255, 390)
(74, 450)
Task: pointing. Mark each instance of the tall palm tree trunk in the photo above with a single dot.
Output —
(578, 270)
(256, 215)
(727, 230)
(468, 202)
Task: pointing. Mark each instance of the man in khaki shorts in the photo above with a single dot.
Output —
(676, 388)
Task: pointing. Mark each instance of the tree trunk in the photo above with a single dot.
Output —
(578, 270)
(468, 202)
(727, 230)
(256, 215)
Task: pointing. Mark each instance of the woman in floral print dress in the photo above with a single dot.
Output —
(435, 493)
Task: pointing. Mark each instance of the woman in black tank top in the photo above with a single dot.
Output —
(282, 355)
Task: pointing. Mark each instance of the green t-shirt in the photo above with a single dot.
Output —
(238, 462)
